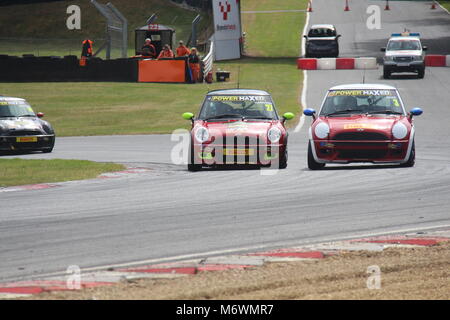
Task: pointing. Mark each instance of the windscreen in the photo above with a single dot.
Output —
(238, 106)
(15, 109)
(345, 102)
(322, 32)
(395, 45)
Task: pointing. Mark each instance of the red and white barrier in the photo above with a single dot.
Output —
(437, 60)
(431, 60)
(366, 63)
(336, 63)
(345, 63)
(326, 64)
(307, 64)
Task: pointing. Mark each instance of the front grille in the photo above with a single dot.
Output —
(360, 136)
(231, 141)
(240, 149)
(20, 133)
(360, 144)
(10, 143)
(363, 154)
(403, 59)
(322, 43)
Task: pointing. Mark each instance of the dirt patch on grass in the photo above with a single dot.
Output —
(406, 273)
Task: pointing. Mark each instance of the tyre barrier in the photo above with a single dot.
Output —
(30, 68)
(337, 63)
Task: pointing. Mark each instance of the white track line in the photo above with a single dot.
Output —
(305, 80)
(303, 103)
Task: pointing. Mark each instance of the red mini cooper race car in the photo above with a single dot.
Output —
(361, 123)
(238, 126)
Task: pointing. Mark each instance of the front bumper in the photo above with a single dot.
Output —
(252, 154)
(27, 143)
(332, 151)
(413, 66)
(321, 52)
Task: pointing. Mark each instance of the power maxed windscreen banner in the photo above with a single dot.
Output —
(227, 26)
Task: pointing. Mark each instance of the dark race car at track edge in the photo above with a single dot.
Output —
(21, 129)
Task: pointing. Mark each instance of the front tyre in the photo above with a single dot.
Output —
(312, 163)
(386, 73)
(192, 166)
(421, 73)
(412, 158)
(283, 160)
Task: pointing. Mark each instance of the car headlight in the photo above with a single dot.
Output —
(388, 58)
(399, 130)
(322, 130)
(202, 134)
(47, 128)
(417, 58)
(274, 134)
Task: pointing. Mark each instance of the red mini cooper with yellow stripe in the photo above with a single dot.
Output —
(362, 123)
(238, 126)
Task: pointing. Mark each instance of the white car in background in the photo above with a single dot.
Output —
(404, 53)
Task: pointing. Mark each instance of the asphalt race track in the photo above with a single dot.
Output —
(169, 213)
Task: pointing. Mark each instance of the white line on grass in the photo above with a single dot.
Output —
(442, 7)
(273, 11)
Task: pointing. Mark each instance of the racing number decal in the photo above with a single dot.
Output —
(396, 102)
(269, 107)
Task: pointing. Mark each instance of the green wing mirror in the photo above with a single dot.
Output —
(188, 116)
(288, 116)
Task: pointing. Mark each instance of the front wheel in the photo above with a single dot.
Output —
(412, 158)
(386, 73)
(192, 166)
(312, 163)
(421, 73)
(283, 160)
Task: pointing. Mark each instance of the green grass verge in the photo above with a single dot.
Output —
(445, 4)
(79, 109)
(273, 34)
(82, 109)
(16, 172)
